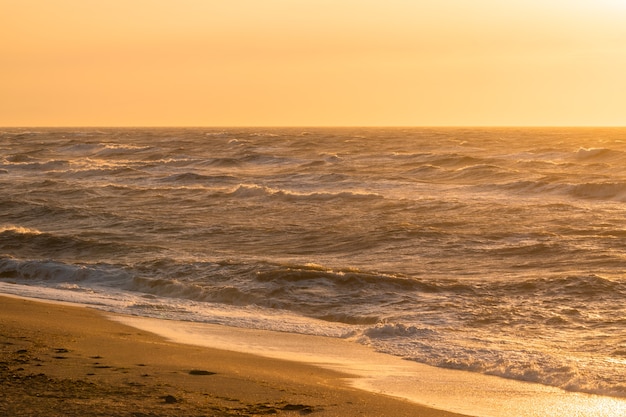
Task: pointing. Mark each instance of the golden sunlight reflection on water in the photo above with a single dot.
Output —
(588, 407)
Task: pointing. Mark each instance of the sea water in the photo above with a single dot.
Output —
(498, 251)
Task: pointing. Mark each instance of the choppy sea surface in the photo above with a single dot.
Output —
(497, 251)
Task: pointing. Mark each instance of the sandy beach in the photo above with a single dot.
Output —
(59, 360)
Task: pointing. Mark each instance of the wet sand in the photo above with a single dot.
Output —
(59, 360)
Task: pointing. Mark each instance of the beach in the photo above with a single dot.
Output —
(437, 266)
(444, 247)
(60, 360)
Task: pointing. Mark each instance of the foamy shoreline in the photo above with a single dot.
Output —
(456, 391)
(61, 360)
(372, 373)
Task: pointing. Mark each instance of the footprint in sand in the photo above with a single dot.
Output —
(200, 372)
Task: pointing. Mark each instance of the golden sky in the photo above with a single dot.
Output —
(312, 62)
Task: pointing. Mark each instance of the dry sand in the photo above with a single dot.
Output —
(58, 360)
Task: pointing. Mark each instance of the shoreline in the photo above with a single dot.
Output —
(63, 360)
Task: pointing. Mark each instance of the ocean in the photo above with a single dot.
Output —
(498, 251)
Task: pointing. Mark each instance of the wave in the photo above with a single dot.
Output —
(174, 288)
(558, 186)
(353, 280)
(19, 230)
(254, 190)
(243, 160)
(392, 330)
(192, 177)
(598, 154)
(578, 287)
(600, 191)
(220, 134)
(103, 172)
(20, 210)
(54, 272)
(442, 160)
(306, 290)
(31, 243)
(221, 162)
(481, 172)
(81, 148)
(535, 311)
(52, 165)
(435, 322)
(102, 149)
(465, 174)
(456, 160)
(265, 134)
(117, 150)
(22, 133)
(261, 159)
(311, 283)
(521, 365)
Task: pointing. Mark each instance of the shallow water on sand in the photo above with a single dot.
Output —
(459, 391)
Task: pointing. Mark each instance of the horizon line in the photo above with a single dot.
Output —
(310, 126)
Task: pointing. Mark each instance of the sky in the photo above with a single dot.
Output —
(312, 63)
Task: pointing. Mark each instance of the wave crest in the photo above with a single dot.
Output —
(19, 230)
(254, 190)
